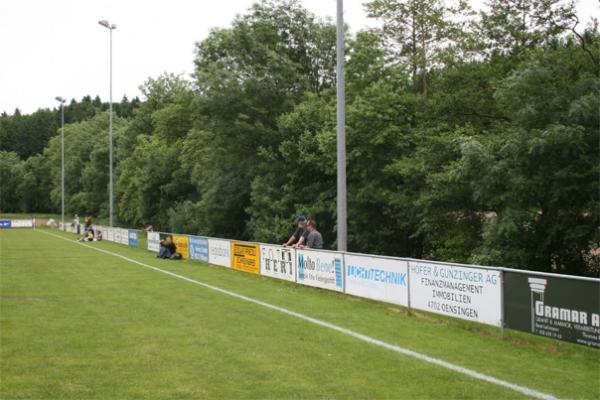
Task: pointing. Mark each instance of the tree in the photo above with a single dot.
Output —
(539, 176)
(10, 176)
(27, 135)
(144, 183)
(35, 186)
(150, 179)
(512, 26)
(420, 32)
(86, 165)
(247, 77)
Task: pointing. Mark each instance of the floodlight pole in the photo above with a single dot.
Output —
(110, 27)
(62, 159)
(342, 229)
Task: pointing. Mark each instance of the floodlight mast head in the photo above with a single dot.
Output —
(60, 99)
(107, 25)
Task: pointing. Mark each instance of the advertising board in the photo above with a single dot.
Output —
(320, 269)
(463, 292)
(181, 245)
(198, 247)
(377, 278)
(556, 307)
(22, 223)
(278, 262)
(153, 241)
(116, 235)
(133, 238)
(219, 252)
(245, 257)
(124, 236)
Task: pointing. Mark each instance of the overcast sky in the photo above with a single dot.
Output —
(52, 48)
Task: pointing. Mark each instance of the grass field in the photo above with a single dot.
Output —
(78, 323)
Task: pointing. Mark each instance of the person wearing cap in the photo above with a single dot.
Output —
(298, 233)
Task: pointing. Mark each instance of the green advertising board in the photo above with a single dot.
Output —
(556, 307)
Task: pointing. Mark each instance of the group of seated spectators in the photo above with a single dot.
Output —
(306, 235)
(168, 249)
(89, 235)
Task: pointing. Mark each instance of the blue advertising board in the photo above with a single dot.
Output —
(133, 238)
(5, 223)
(198, 247)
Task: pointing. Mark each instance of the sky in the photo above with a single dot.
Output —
(56, 48)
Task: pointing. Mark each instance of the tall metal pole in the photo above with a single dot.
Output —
(110, 27)
(62, 159)
(342, 234)
(62, 163)
(110, 141)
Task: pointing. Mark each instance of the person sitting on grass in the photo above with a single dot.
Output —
(168, 249)
(88, 236)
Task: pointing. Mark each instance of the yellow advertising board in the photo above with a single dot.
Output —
(182, 245)
(245, 257)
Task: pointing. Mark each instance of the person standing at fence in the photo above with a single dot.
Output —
(75, 224)
(88, 222)
(312, 238)
(298, 233)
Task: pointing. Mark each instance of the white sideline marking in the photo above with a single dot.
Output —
(465, 371)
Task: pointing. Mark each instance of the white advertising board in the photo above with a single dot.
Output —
(22, 223)
(377, 278)
(320, 269)
(100, 228)
(469, 293)
(117, 235)
(154, 241)
(278, 262)
(110, 234)
(219, 252)
(124, 237)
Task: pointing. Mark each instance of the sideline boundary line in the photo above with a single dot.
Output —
(431, 360)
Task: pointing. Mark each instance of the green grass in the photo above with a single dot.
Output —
(77, 323)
